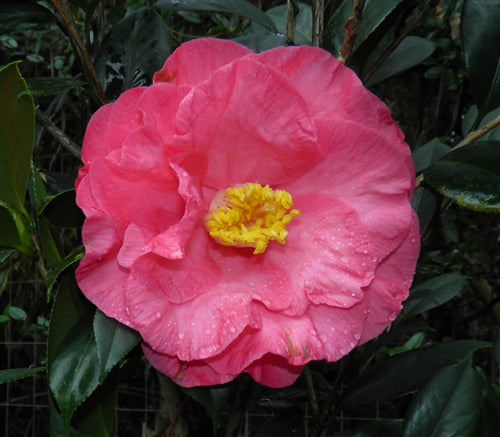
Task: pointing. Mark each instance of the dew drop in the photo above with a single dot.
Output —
(357, 335)
(158, 314)
(181, 335)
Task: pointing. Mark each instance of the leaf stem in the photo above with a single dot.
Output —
(351, 28)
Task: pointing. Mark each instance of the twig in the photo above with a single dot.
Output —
(351, 28)
(469, 139)
(318, 15)
(58, 134)
(292, 10)
(312, 394)
(475, 135)
(63, 9)
(388, 52)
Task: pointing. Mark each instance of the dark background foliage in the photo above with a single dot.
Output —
(434, 372)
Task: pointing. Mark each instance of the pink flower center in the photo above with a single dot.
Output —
(250, 215)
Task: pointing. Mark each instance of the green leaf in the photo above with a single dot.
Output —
(431, 294)
(490, 407)
(469, 176)
(68, 261)
(238, 7)
(259, 42)
(481, 41)
(449, 405)
(411, 52)
(17, 130)
(18, 15)
(374, 14)
(407, 372)
(10, 375)
(72, 351)
(377, 428)
(113, 340)
(303, 24)
(62, 211)
(16, 231)
(136, 48)
(51, 86)
(429, 153)
(17, 313)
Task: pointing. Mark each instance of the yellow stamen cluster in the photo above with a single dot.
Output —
(250, 216)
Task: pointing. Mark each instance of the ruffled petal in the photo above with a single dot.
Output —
(194, 61)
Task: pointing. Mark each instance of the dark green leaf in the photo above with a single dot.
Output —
(4, 254)
(113, 340)
(429, 153)
(259, 42)
(15, 231)
(69, 260)
(490, 407)
(17, 313)
(431, 294)
(136, 48)
(18, 15)
(481, 40)
(17, 130)
(374, 14)
(238, 7)
(57, 428)
(469, 176)
(411, 52)
(303, 24)
(10, 375)
(377, 428)
(72, 351)
(449, 405)
(424, 203)
(407, 372)
(62, 211)
(51, 86)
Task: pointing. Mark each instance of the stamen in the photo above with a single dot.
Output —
(250, 215)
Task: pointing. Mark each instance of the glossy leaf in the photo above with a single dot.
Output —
(136, 48)
(18, 15)
(412, 51)
(10, 375)
(303, 24)
(61, 210)
(113, 340)
(259, 42)
(377, 428)
(449, 405)
(51, 86)
(481, 41)
(17, 130)
(431, 294)
(469, 176)
(72, 351)
(238, 7)
(15, 231)
(57, 270)
(374, 14)
(429, 153)
(407, 372)
(470, 118)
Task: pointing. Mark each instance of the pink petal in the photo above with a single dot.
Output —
(194, 61)
(99, 276)
(229, 123)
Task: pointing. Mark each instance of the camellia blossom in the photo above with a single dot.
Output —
(247, 213)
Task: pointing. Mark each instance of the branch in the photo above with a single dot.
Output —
(318, 15)
(292, 10)
(475, 135)
(63, 9)
(351, 28)
(58, 134)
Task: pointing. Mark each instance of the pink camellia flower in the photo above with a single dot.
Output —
(247, 213)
